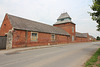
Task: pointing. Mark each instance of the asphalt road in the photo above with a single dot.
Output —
(71, 55)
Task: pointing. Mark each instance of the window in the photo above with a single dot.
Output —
(73, 29)
(90, 38)
(67, 19)
(52, 37)
(72, 38)
(60, 20)
(34, 36)
(64, 19)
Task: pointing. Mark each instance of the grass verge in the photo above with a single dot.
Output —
(93, 61)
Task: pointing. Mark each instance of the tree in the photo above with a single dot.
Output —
(96, 12)
(98, 38)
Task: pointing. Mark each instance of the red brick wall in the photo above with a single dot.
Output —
(84, 39)
(78, 39)
(91, 39)
(81, 39)
(5, 27)
(68, 28)
(19, 39)
(88, 37)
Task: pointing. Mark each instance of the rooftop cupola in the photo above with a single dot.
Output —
(64, 22)
(63, 18)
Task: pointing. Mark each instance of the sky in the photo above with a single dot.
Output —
(47, 11)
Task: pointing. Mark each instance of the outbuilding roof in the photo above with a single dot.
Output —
(25, 24)
(92, 36)
(81, 34)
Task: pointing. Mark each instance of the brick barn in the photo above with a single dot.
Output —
(26, 33)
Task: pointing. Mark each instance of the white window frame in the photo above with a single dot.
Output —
(36, 37)
(52, 39)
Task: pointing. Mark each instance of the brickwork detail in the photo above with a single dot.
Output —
(5, 27)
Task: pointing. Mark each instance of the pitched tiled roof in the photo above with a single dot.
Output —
(63, 15)
(92, 36)
(25, 24)
(81, 34)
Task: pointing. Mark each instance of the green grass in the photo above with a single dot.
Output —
(93, 59)
(98, 65)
